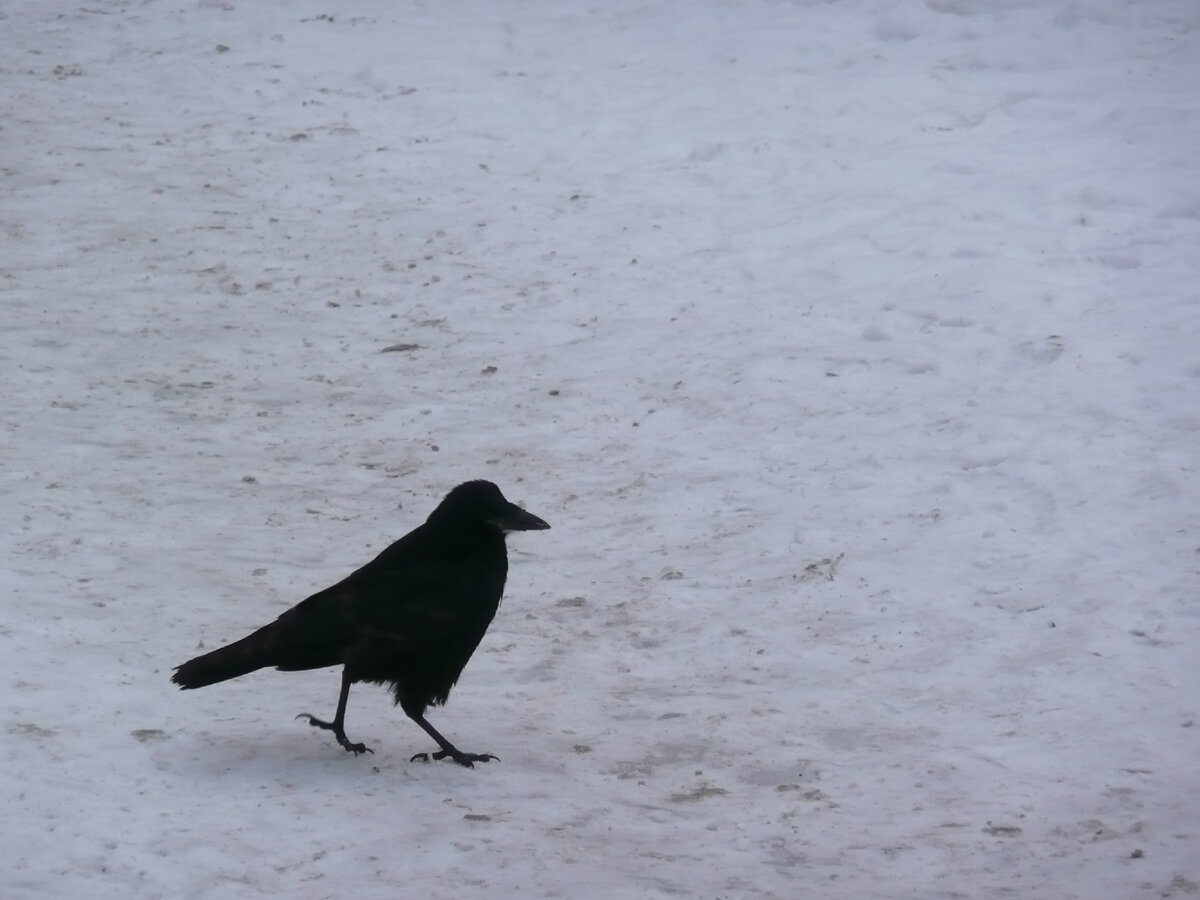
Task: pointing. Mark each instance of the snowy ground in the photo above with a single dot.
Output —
(852, 350)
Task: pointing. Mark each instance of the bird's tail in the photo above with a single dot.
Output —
(239, 658)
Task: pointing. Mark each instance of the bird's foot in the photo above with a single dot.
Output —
(463, 759)
(338, 733)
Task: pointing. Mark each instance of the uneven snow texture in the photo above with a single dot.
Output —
(851, 349)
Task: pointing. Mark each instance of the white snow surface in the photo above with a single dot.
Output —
(851, 349)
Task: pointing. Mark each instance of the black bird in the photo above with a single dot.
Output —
(410, 618)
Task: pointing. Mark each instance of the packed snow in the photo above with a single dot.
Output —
(852, 351)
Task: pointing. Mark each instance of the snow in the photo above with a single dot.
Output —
(850, 350)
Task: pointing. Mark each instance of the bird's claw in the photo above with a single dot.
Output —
(337, 733)
(463, 759)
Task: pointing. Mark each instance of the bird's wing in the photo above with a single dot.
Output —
(405, 607)
(422, 603)
(314, 632)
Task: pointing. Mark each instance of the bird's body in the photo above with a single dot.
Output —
(410, 618)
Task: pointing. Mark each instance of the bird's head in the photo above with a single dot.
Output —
(480, 502)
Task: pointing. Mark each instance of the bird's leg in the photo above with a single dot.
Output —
(448, 749)
(338, 725)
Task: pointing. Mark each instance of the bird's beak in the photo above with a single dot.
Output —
(516, 519)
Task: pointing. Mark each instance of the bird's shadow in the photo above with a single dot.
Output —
(285, 754)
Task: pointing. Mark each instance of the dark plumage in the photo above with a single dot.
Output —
(410, 618)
